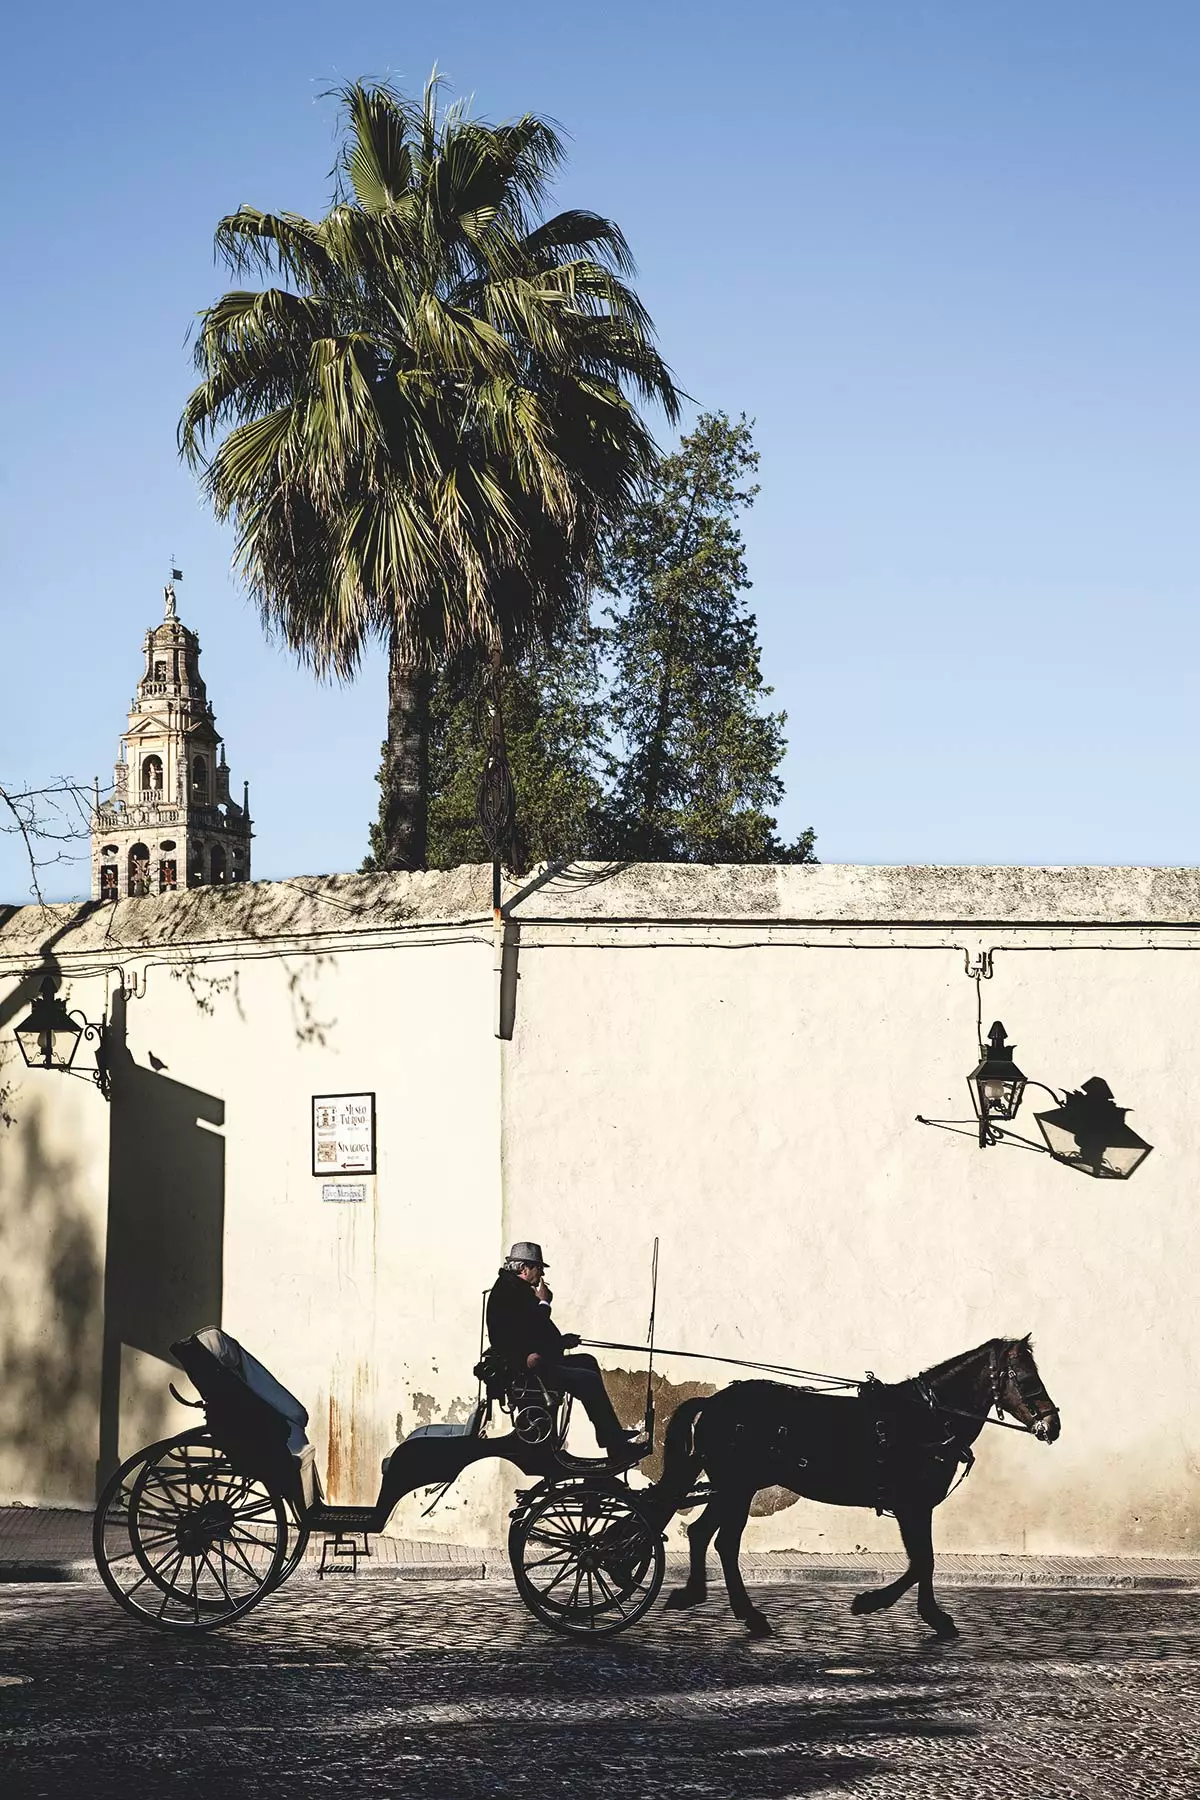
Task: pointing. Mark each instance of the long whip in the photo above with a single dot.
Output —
(650, 1341)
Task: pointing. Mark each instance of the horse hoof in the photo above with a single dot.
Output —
(943, 1627)
(680, 1599)
(865, 1603)
(758, 1626)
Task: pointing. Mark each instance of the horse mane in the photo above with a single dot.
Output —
(953, 1364)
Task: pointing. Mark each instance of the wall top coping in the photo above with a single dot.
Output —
(607, 894)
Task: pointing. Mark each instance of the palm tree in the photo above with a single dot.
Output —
(422, 431)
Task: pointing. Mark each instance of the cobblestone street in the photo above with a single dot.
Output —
(448, 1689)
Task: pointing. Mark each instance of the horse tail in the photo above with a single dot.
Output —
(681, 1461)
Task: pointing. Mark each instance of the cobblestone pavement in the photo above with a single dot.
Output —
(450, 1690)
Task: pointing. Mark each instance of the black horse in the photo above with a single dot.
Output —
(893, 1446)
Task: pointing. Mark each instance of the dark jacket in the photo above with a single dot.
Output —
(518, 1324)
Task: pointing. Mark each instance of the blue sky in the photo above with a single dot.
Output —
(946, 256)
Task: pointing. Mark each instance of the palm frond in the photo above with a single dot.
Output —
(424, 419)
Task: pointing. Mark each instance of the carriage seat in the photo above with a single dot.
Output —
(225, 1373)
(469, 1428)
(534, 1406)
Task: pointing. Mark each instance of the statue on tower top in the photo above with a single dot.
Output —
(169, 591)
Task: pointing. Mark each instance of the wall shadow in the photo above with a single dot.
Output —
(163, 1267)
(50, 1309)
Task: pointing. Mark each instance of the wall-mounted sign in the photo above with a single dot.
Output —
(343, 1133)
(343, 1191)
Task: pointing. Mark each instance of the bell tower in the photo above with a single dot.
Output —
(170, 822)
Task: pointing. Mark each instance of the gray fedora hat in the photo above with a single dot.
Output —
(527, 1253)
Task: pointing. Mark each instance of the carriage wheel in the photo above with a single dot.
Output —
(587, 1563)
(294, 1547)
(184, 1541)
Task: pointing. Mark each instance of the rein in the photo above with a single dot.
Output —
(829, 1383)
(737, 1362)
(957, 1412)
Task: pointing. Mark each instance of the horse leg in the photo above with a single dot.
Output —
(700, 1535)
(916, 1528)
(735, 1510)
(877, 1599)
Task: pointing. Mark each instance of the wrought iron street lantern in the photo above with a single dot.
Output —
(1088, 1132)
(996, 1084)
(1084, 1130)
(50, 1036)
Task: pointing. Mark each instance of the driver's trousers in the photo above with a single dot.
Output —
(580, 1375)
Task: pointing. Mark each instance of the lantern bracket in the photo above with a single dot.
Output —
(54, 1015)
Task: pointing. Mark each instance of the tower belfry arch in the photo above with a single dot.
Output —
(171, 822)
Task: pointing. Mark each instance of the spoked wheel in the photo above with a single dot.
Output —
(184, 1541)
(587, 1562)
(296, 1545)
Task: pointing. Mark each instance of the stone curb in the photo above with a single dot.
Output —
(83, 1572)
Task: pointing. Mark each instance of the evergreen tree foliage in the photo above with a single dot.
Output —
(692, 771)
(639, 738)
(554, 732)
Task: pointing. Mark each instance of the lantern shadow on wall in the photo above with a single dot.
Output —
(1084, 1130)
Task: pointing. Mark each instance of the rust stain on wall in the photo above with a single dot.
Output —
(333, 1465)
(352, 1473)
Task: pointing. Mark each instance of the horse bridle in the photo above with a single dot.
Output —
(1000, 1373)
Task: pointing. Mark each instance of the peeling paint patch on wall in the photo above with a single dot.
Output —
(627, 1391)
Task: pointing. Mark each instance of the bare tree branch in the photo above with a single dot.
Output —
(48, 821)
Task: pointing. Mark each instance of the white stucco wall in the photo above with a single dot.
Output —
(729, 1059)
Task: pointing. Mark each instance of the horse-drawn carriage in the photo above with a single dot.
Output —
(196, 1529)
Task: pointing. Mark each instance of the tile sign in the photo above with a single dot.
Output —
(343, 1134)
(343, 1191)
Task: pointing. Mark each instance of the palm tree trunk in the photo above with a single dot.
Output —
(404, 802)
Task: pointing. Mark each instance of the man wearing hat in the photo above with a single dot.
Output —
(521, 1329)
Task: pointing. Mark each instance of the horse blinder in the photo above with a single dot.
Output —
(1042, 1421)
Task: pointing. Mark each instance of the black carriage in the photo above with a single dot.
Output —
(194, 1530)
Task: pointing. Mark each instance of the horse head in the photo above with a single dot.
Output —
(1018, 1388)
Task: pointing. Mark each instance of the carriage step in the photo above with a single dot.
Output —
(336, 1550)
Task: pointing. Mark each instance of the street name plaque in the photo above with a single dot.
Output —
(343, 1191)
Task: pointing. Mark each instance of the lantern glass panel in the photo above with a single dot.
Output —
(996, 1084)
(997, 1096)
(49, 1037)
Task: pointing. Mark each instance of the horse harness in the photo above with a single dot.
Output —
(944, 1449)
(948, 1449)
